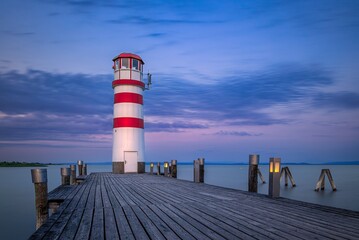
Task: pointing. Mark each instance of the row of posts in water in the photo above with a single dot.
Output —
(39, 179)
(275, 174)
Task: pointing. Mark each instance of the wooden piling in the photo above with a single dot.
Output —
(287, 174)
(73, 174)
(158, 168)
(79, 165)
(198, 170)
(321, 180)
(274, 177)
(166, 169)
(65, 176)
(261, 176)
(39, 178)
(84, 169)
(253, 173)
(174, 168)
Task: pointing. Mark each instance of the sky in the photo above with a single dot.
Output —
(230, 78)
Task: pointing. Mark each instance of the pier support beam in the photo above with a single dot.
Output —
(39, 178)
(65, 176)
(274, 177)
(253, 173)
(321, 181)
(79, 165)
(198, 171)
(73, 174)
(174, 168)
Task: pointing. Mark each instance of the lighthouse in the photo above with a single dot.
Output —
(128, 124)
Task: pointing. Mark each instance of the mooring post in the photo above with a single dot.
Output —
(84, 169)
(195, 171)
(158, 168)
(39, 178)
(165, 169)
(274, 177)
(65, 176)
(73, 174)
(79, 165)
(253, 173)
(151, 168)
(198, 170)
(174, 168)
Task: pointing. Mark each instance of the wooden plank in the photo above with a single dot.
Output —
(97, 227)
(134, 223)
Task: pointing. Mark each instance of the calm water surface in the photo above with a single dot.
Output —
(17, 204)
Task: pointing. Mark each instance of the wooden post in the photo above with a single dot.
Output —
(151, 168)
(165, 169)
(198, 170)
(253, 173)
(84, 169)
(321, 180)
(39, 178)
(65, 176)
(174, 168)
(201, 170)
(158, 168)
(274, 177)
(79, 165)
(73, 174)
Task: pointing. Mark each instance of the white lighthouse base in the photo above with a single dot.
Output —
(119, 168)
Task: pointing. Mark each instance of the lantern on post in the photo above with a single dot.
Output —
(274, 177)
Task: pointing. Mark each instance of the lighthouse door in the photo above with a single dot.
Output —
(130, 162)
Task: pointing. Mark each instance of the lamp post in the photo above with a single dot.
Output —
(165, 169)
(151, 168)
(274, 177)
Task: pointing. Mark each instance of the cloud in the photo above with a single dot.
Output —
(172, 127)
(38, 105)
(237, 99)
(238, 134)
(337, 100)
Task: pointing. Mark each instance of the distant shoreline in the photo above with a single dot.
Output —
(22, 164)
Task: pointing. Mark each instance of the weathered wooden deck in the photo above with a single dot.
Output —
(108, 206)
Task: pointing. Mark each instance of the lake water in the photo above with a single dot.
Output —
(17, 204)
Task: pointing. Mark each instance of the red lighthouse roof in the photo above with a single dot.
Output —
(128, 55)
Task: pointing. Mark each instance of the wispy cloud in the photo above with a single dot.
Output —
(238, 134)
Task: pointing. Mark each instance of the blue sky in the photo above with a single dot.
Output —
(230, 78)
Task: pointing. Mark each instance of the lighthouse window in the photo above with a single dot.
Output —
(125, 63)
(135, 64)
(117, 65)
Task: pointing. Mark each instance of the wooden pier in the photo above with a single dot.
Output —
(142, 206)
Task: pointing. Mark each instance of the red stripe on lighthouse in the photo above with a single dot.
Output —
(128, 97)
(127, 82)
(128, 122)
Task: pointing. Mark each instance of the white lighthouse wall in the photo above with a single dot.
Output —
(128, 110)
(117, 75)
(128, 88)
(121, 143)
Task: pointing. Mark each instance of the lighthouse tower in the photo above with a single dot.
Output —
(128, 125)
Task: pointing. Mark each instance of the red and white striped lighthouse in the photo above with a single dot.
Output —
(128, 124)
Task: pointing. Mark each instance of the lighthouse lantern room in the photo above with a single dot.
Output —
(128, 124)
